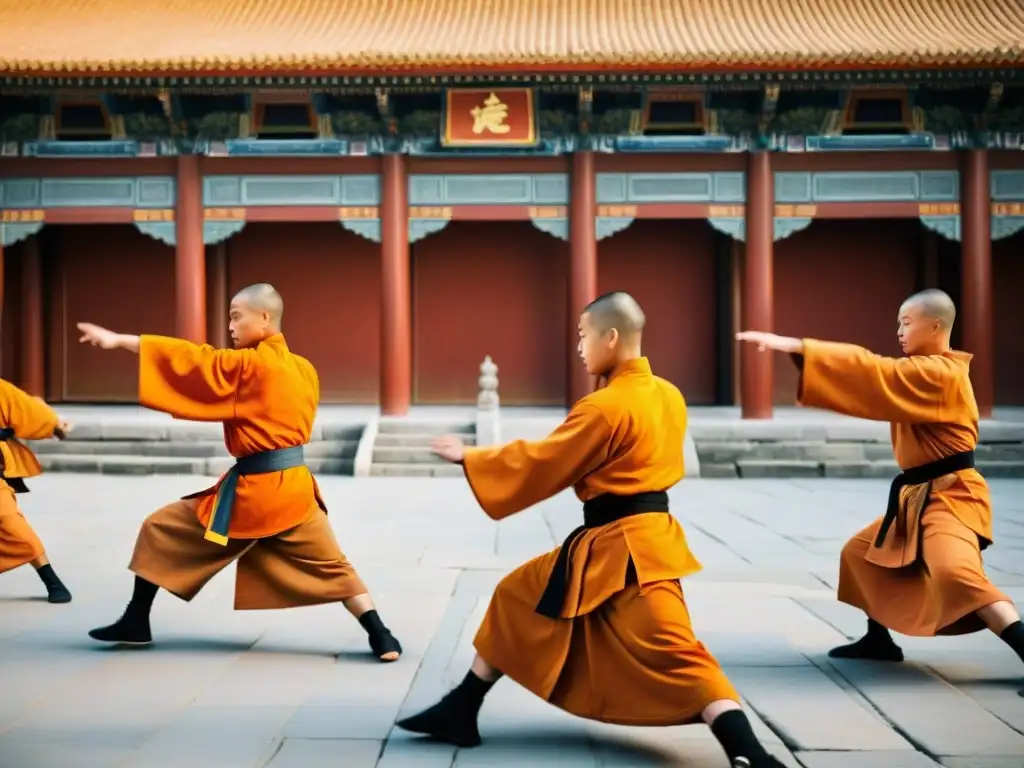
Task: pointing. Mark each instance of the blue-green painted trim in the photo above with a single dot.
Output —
(15, 233)
(88, 192)
(489, 189)
(227, 191)
(638, 188)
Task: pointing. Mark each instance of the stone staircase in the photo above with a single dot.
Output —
(849, 450)
(179, 448)
(401, 447)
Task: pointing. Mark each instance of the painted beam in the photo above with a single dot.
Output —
(1007, 190)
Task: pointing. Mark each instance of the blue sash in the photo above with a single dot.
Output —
(254, 464)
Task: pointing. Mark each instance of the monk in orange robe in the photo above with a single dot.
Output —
(917, 570)
(24, 417)
(266, 512)
(599, 626)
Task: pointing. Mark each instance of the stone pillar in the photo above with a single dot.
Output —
(758, 311)
(33, 370)
(396, 309)
(582, 264)
(976, 281)
(488, 405)
(190, 254)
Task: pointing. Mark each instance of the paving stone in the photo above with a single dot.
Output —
(991, 761)
(916, 701)
(835, 722)
(899, 759)
(326, 753)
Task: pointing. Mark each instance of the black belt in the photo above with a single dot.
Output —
(926, 473)
(260, 463)
(17, 484)
(601, 510)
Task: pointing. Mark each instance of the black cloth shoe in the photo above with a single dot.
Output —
(128, 630)
(55, 590)
(876, 645)
(385, 646)
(446, 721)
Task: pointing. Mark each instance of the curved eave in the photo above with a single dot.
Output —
(806, 66)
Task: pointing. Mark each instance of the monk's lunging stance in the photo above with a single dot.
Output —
(24, 417)
(266, 511)
(916, 570)
(598, 627)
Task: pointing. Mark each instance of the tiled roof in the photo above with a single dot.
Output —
(236, 37)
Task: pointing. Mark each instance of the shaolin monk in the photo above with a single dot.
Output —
(916, 570)
(24, 417)
(266, 511)
(599, 626)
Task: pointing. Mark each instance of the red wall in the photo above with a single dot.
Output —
(1008, 281)
(669, 267)
(495, 288)
(111, 275)
(330, 281)
(843, 280)
(10, 319)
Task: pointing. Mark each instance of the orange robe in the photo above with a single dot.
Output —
(266, 398)
(927, 577)
(623, 650)
(30, 419)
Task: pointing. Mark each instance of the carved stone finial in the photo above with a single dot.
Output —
(488, 397)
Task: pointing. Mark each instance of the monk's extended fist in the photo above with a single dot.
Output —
(97, 336)
(771, 341)
(448, 447)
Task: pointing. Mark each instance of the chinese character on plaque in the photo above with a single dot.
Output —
(489, 117)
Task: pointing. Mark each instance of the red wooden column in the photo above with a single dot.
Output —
(190, 257)
(396, 312)
(582, 264)
(217, 305)
(756, 384)
(33, 371)
(976, 281)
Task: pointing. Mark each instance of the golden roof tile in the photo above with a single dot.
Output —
(237, 37)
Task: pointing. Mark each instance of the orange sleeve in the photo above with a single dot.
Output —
(512, 477)
(30, 417)
(189, 381)
(852, 381)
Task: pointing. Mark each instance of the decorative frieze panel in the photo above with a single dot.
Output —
(89, 192)
(489, 189)
(866, 187)
(1007, 189)
(253, 191)
(718, 187)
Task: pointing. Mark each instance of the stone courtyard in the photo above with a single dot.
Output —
(298, 689)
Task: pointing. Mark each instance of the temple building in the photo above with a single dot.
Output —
(431, 181)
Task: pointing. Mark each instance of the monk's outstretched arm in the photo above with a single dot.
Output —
(509, 478)
(30, 417)
(852, 381)
(190, 381)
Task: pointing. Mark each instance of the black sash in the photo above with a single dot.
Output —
(17, 484)
(918, 476)
(601, 510)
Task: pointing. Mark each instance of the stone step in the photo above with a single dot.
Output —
(170, 465)
(413, 440)
(415, 470)
(887, 469)
(721, 452)
(406, 426)
(340, 449)
(188, 431)
(386, 454)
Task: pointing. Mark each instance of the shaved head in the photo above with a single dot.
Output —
(934, 304)
(262, 297)
(255, 314)
(617, 310)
